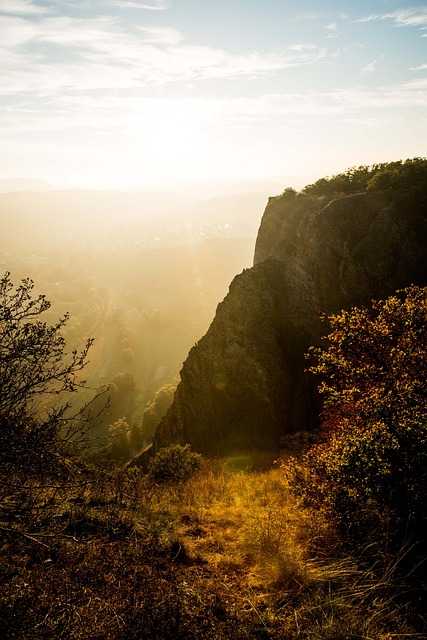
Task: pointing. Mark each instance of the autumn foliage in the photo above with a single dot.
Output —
(370, 467)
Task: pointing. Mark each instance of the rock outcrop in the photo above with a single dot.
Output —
(243, 384)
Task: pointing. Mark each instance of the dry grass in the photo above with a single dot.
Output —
(281, 562)
(227, 555)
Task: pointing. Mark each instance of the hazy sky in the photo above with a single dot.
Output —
(171, 93)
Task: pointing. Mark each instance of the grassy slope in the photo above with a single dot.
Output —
(227, 555)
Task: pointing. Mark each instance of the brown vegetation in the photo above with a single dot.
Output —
(229, 554)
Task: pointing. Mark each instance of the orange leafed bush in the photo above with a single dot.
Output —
(371, 463)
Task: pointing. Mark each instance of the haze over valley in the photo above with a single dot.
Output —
(142, 273)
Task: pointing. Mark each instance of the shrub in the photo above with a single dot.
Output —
(289, 193)
(35, 370)
(174, 464)
(371, 464)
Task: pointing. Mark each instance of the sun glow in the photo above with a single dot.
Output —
(130, 95)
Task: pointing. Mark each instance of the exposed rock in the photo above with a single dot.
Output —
(243, 384)
(237, 382)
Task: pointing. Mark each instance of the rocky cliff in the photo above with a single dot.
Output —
(243, 384)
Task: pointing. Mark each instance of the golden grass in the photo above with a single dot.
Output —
(279, 560)
(236, 546)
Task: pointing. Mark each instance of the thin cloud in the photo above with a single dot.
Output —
(123, 112)
(306, 15)
(420, 67)
(21, 7)
(302, 47)
(161, 35)
(371, 67)
(413, 17)
(101, 53)
(154, 5)
(331, 30)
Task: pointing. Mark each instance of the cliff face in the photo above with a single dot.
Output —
(243, 385)
(236, 384)
(351, 248)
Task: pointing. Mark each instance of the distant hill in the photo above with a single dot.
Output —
(53, 220)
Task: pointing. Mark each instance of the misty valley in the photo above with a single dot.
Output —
(144, 286)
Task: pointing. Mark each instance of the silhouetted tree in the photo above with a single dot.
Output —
(34, 369)
(407, 175)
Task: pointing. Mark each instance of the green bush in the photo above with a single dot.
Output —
(407, 175)
(174, 464)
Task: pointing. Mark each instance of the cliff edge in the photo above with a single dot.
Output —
(243, 384)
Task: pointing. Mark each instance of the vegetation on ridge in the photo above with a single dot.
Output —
(409, 175)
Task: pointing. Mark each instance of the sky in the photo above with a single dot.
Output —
(183, 94)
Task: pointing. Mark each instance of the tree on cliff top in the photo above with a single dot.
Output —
(407, 175)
